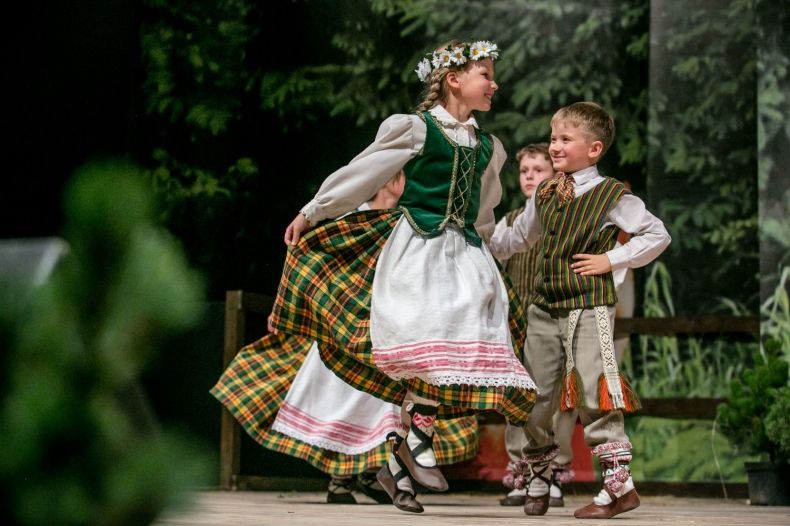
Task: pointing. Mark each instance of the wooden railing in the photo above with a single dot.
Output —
(239, 303)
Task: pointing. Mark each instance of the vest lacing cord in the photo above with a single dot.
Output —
(460, 201)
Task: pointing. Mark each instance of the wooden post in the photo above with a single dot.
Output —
(230, 438)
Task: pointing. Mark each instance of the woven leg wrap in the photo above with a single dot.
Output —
(614, 459)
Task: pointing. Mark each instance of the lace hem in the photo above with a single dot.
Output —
(461, 379)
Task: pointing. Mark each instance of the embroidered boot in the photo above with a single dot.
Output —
(619, 494)
(535, 473)
(416, 451)
(394, 478)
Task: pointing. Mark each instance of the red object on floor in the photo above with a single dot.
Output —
(490, 464)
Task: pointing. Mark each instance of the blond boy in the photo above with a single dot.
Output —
(575, 217)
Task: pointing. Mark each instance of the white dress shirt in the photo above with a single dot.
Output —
(649, 236)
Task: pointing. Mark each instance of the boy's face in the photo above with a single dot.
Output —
(533, 169)
(572, 149)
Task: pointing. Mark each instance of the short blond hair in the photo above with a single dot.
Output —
(591, 118)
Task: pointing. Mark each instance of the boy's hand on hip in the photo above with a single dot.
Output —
(591, 264)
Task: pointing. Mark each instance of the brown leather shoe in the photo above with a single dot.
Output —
(429, 477)
(402, 500)
(619, 505)
(536, 505)
(512, 500)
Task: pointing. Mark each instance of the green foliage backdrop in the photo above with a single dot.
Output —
(217, 81)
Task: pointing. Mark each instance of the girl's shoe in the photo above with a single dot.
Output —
(367, 484)
(402, 500)
(339, 491)
(428, 476)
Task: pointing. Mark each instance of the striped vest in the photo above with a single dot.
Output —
(443, 183)
(522, 267)
(575, 228)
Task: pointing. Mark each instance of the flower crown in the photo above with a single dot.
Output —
(455, 56)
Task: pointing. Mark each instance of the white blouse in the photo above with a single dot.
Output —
(399, 139)
(649, 236)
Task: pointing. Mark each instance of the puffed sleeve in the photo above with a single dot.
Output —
(490, 192)
(400, 137)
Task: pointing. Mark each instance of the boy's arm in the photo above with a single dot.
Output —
(649, 236)
(524, 232)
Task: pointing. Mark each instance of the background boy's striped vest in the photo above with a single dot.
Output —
(575, 228)
(522, 267)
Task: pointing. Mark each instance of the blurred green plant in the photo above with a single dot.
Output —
(79, 444)
(777, 423)
(743, 419)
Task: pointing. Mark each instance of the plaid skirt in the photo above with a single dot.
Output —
(254, 387)
(325, 295)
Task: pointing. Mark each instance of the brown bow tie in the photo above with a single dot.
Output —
(561, 184)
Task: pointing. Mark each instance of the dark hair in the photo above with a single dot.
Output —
(536, 148)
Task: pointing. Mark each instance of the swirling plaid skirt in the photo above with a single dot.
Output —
(254, 387)
(325, 294)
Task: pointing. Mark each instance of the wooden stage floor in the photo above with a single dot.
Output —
(242, 508)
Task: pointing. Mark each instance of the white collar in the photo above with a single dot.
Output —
(444, 117)
(585, 175)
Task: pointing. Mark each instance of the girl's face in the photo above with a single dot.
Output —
(477, 86)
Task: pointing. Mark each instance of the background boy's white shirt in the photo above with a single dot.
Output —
(399, 139)
(649, 236)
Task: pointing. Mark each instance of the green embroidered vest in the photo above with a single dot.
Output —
(443, 183)
(522, 267)
(575, 228)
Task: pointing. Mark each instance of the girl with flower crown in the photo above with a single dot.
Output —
(410, 300)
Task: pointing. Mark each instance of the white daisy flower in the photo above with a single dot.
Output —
(476, 51)
(435, 60)
(494, 51)
(457, 55)
(445, 59)
(423, 69)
